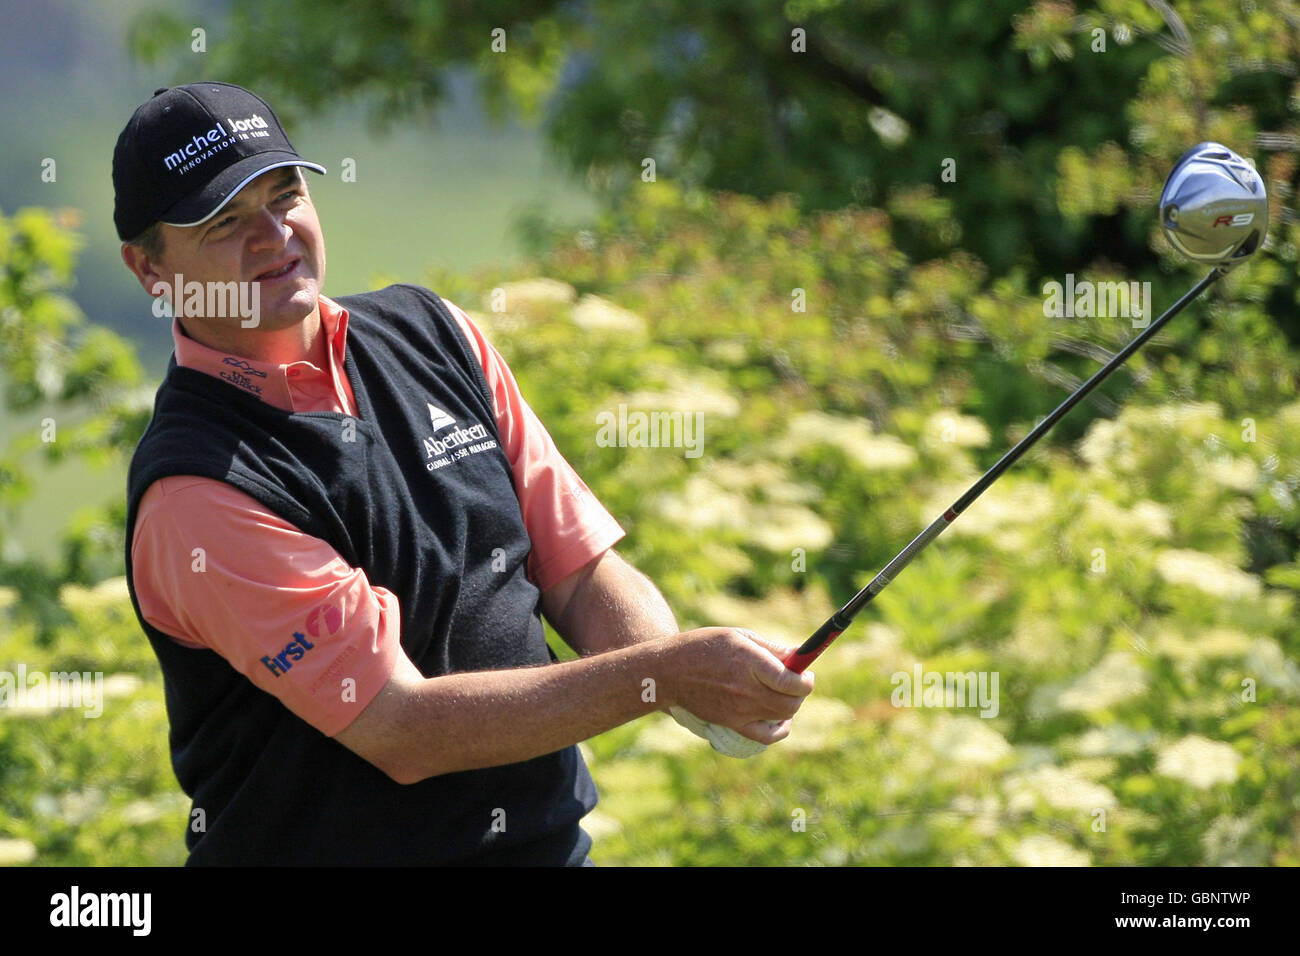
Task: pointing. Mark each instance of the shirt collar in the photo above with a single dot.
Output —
(268, 381)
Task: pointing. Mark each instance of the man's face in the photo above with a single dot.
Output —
(268, 224)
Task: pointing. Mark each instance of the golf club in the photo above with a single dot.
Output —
(1214, 210)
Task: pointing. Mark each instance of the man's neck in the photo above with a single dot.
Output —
(297, 343)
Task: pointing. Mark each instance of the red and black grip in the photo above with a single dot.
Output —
(807, 652)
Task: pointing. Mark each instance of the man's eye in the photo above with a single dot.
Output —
(222, 223)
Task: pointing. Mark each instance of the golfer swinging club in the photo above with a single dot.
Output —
(344, 523)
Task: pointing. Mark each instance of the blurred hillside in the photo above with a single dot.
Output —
(444, 191)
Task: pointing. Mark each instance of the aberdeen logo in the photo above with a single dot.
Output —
(454, 445)
(439, 418)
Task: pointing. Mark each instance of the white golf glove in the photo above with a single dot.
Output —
(724, 740)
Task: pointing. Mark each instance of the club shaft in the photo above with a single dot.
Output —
(807, 652)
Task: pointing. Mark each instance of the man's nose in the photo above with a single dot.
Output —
(268, 229)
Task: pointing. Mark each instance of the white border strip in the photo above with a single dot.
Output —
(235, 191)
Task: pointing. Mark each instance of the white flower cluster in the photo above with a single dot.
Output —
(1118, 678)
(1038, 849)
(1058, 787)
(1199, 761)
(854, 437)
(594, 314)
(1206, 573)
(111, 592)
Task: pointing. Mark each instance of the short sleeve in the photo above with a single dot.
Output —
(214, 568)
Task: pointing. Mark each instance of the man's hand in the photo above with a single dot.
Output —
(418, 727)
(734, 691)
(607, 604)
(723, 739)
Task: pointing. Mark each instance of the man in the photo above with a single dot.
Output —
(344, 523)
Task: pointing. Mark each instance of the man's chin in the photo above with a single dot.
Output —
(283, 310)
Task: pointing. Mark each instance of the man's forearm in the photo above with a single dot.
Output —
(489, 718)
(617, 606)
(614, 619)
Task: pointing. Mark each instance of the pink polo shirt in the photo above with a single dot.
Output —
(262, 579)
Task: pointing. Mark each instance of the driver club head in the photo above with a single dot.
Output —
(1213, 208)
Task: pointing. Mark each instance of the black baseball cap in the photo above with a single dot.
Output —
(188, 150)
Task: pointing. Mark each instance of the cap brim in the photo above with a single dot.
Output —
(198, 209)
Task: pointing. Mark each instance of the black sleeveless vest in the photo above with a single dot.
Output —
(417, 491)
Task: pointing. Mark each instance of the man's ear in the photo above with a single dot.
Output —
(146, 270)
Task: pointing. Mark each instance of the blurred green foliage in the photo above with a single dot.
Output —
(68, 795)
(1133, 586)
(86, 384)
(78, 789)
(1104, 580)
(1045, 129)
(860, 338)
